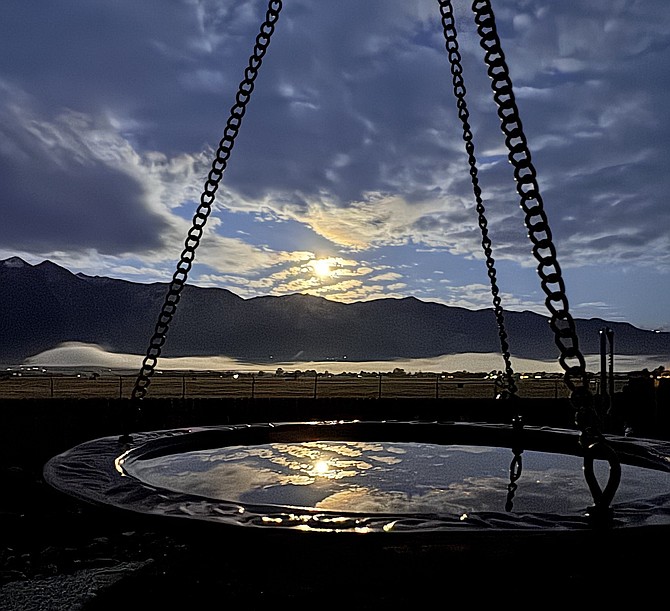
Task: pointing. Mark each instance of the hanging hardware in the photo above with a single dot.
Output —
(516, 465)
(506, 381)
(219, 165)
(562, 323)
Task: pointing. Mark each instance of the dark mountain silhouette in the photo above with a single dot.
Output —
(45, 305)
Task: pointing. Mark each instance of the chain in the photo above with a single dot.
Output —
(514, 474)
(516, 465)
(206, 200)
(562, 323)
(448, 24)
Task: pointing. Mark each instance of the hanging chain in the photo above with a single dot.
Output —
(516, 465)
(206, 200)
(562, 323)
(515, 468)
(448, 24)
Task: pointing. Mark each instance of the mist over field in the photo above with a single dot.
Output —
(79, 355)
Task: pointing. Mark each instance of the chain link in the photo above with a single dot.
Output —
(562, 323)
(516, 466)
(218, 167)
(515, 469)
(507, 381)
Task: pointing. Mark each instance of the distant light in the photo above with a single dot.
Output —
(323, 268)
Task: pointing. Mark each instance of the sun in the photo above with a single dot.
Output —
(322, 267)
(320, 467)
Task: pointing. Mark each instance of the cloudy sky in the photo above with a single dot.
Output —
(349, 178)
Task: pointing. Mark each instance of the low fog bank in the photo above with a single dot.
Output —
(91, 356)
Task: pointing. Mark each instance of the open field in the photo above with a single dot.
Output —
(218, 385)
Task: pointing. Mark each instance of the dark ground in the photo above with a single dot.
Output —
(59, 554)
(72, 557)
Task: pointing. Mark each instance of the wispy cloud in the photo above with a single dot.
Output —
(351, 146)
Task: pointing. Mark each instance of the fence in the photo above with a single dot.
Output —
(213, 385)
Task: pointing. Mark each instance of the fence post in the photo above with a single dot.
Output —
(51, 386)
(379, 394)
(253, 385)
(183, 387)
(120, 387)
(316, 377)
(437, 386)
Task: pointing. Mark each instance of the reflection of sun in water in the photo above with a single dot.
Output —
(322, 267)
(320, 467)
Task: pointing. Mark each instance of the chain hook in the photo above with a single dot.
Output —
(601, 511)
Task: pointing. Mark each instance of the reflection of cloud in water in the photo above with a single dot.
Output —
(297, 450)
(472, 495)
(323, 453)
(224, 481)
(366, 500)
(347, 449)
(375, 478)
(388, 460)
(472, 449)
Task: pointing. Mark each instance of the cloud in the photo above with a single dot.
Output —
(110, 114)
(295, 273)
(76, 185)
(387, 276)
(477, 296)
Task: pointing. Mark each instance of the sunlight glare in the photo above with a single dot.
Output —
(321, 267)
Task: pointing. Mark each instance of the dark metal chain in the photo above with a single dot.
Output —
(514, 474)
(206, 200)
(516, 465)
(532, 204)
(562, 323)
(448, 24)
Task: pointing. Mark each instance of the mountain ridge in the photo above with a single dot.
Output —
(45, 305)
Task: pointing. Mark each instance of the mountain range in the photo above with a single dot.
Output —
(45, 305)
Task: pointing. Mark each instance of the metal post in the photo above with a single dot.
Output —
(379, 393)
(183, 387)
(603, 367)
(437, 386)
(120, 387)
(316, 377)
(51, 386)
(253, 385)
(610, 337)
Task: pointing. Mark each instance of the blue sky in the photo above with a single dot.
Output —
(349, 178)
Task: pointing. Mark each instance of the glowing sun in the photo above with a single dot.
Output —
(322, 267)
